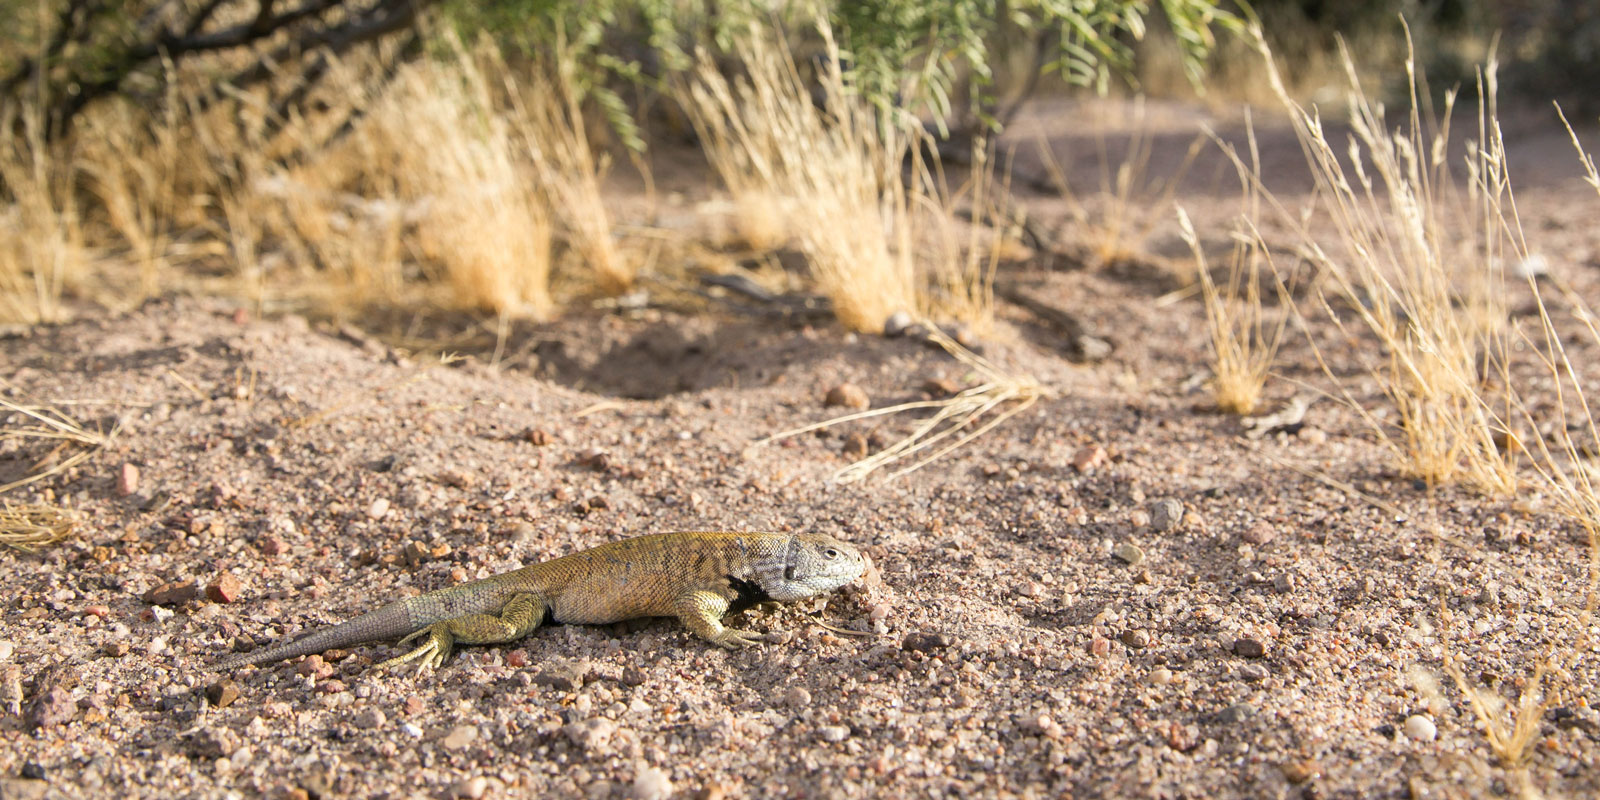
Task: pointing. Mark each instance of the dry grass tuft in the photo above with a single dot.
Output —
(463, 139)
(835, 168)
(42, 249)
(953, 417)
(31, 527)
(51, 424)
(1131, 201)
(549, 117)
(1244, 342)
(1417, 263)
(880, 238)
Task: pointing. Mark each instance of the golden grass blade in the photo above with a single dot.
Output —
(30, 527)
(954, 414)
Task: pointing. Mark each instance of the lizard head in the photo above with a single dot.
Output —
(815, 563)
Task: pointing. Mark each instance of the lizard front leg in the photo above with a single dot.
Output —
(517, 619)
(702, 611)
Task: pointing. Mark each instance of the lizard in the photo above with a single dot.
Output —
(698, 577)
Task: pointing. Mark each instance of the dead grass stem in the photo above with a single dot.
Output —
(52, 424)
(30, 527)
(955, 421)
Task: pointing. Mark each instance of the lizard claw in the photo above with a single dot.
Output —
(733, 638)
(432, 652)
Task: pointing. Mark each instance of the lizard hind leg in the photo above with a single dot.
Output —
(517, 619)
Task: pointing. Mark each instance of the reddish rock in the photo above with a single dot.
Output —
(127, 480)
(173, 593)
(1090, 458)
(225, 589)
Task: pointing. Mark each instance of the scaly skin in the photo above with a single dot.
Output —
(697, 577)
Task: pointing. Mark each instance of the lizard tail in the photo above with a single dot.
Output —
(391, 621)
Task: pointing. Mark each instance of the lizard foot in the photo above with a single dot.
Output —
(433, 652)
(733, 638)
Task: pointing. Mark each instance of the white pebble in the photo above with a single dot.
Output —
(6, 649)
(412, 730)
(650, 783)
(1421, 728)
(379, 508)
(472, 788)
(834, 733)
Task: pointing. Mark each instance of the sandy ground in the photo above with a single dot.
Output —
(1277, 637)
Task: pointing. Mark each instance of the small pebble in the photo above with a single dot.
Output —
(378, 509)
(1249, 647)
(848, 395)
(6, 649)
(797, 697)
(593, 735)
(222, 693)
(471, 788)
(224, 589)
(1298, 772)
(1136, 639)
(372, 719)
(1254, 672)
(834, 733)
(926, 642)
(1160, 676)
(1236, 713)
(1166, 514)
(1421, 728)
(941, 387)
(1129, 553)
(459, 737)
(1283, 583)
(652, 783)
(173, 593)
(897, 324)
(1090, 458)
(1258, 533)
(127, 480)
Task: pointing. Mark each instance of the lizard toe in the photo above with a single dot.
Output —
(733, 639)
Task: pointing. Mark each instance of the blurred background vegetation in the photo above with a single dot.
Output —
(267, 141)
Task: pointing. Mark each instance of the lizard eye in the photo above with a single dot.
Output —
(830, 553)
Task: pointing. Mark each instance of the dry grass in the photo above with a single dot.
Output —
(962, 259)
(43, 423)
(1417, 264)
(1131, 200)
(462, 139)
(42, 248)
(1244, 340)
(549, 116)
(955, 421)
(879, 237)
(1418, 267)
(837, 169)
(31, 527)
(440, 193)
